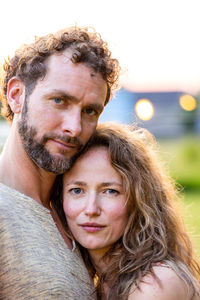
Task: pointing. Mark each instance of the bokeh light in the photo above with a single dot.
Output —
(187, 102)
(144, 109)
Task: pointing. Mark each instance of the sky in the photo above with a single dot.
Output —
(156, 41)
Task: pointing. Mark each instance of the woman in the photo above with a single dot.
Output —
(119, 207)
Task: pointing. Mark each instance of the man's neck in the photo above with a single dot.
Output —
(19, 172)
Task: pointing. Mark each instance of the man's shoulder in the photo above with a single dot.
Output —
(6, 191)
(8, 198)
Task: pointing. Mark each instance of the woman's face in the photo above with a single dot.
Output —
(95, 202)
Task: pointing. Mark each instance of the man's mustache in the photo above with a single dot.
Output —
(64, 138)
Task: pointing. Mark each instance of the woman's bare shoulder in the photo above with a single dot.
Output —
(169, 286)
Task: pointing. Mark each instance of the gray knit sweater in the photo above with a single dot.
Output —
(35, 262)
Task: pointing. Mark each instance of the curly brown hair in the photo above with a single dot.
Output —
(86, 46)
(154, 233)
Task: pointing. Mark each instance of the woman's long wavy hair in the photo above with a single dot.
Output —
(154, 233)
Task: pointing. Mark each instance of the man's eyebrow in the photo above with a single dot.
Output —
(62, 94)
(66, 96)
(96, 106)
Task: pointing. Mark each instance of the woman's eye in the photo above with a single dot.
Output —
(58, 100)
(75, 191)
(111, 192)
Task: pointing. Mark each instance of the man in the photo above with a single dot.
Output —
(53, 93)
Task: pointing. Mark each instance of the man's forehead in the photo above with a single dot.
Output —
(65, 57)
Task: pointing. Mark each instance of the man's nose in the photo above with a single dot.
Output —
(92, 207)
(72, 123)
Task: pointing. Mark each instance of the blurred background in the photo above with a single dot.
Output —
(157, 44)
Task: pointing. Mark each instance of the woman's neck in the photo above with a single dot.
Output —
(100, 263)
(96, 256)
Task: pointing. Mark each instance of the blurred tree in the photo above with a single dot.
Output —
(189, 119)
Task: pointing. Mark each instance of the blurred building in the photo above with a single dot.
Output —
(166, 116)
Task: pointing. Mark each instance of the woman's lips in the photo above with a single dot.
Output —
(92, 227)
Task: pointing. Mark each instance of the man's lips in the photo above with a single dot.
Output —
(92, 227)
(63, 141)
(64, 145)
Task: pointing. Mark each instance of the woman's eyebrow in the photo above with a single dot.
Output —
(110, 183)
(80, 183)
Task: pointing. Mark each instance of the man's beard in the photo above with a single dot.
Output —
(37, 151)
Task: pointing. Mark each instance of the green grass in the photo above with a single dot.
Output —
(192, 217)
(183, 158)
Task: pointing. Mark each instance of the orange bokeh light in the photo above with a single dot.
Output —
(187, 102)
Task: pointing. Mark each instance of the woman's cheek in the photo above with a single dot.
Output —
(71, 209)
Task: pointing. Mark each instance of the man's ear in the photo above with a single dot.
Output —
(15, 94)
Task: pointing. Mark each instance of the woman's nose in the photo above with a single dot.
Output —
(92, 207)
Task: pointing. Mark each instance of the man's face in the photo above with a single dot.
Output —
(61, 113)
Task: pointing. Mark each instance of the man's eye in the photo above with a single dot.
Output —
(58, 100)
(75, 191)
(91, 111)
